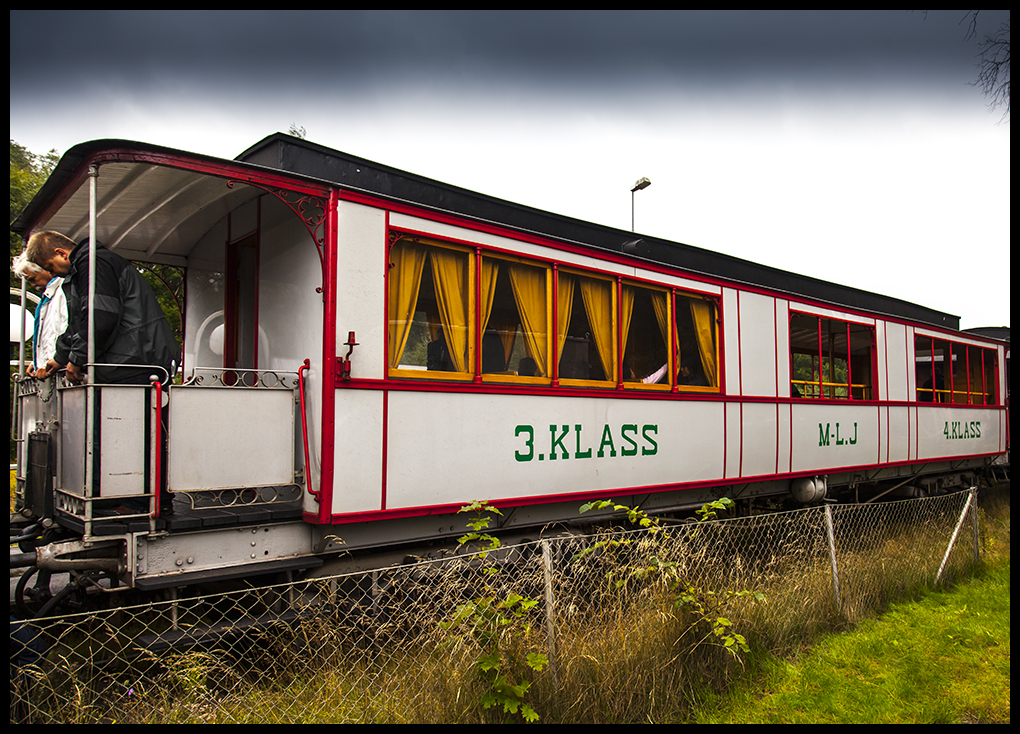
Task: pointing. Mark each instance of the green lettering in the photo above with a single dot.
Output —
(629, 428)
(578, 454)
(654, 447)
(823, 435)
(959, 430)
(558, 442)
(530, 443)
(607, 440)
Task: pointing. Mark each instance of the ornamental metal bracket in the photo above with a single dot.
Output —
(310, 209)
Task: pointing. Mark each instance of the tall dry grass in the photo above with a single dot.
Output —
(622, 645)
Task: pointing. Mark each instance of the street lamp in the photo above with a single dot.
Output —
(642, 183)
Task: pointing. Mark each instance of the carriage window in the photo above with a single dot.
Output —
(515, 314)
(460, 313)
(429, 291)
(698, 343)
(830, 359)
(974, 378)
(929, 357)
(645, 327)
(960, 374)
(586, 338)
(983, 363)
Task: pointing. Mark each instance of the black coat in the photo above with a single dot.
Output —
(130, 327)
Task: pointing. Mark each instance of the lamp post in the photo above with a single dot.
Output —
(642, 183)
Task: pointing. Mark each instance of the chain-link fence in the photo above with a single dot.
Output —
(612, 626)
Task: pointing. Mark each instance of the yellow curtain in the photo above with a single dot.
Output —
(627, 311)
(564, 306)
(408, 259)
(661, 305)
(487, 292)
(507, 331)
(661, 314)
(449, 271)
(529, 286)
(598, 304)
(704, 326)
(486, 296)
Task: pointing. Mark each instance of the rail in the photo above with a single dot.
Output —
(836, 390)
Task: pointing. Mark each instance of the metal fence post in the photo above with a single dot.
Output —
(830, 533)
(550, 611)
(975, 530)
(956, 532)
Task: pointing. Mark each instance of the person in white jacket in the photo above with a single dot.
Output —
(50, 314)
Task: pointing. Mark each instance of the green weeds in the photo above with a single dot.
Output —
(497, 627)
(708, 608)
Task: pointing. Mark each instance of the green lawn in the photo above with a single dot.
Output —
(942, 659)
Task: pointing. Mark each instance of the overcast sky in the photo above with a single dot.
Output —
(850, 146)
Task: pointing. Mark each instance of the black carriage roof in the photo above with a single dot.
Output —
(303, 157)
(316, 163)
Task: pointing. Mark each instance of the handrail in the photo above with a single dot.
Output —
(240, 378)
(304, 431)
(164, 370)
(157, 439)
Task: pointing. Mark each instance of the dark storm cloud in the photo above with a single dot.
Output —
(57, 51)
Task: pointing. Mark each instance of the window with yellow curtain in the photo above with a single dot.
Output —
(586, 325)
(645, 327)
(428, 303)
(515, 318)
(697, 355)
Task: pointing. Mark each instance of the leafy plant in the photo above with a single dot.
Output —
(708, 608)
(487, 542)
(498, 626)
(711, 510)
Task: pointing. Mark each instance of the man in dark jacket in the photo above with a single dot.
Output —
(133, 338)
(130, 327)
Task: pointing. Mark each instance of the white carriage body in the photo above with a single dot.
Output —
(290, 278)
(427, 450)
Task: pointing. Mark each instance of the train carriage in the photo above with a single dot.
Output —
(366, 350)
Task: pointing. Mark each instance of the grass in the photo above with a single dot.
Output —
(941, 658)
(910, 652)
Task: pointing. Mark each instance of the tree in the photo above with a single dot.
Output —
(993, 67)
(28, 173)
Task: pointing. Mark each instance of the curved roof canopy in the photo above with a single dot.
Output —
(153, 204)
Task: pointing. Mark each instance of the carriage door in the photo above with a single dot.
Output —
(240, 308)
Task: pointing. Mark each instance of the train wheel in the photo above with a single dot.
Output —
(30, 599)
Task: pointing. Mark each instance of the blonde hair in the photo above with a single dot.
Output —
(42, 246)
